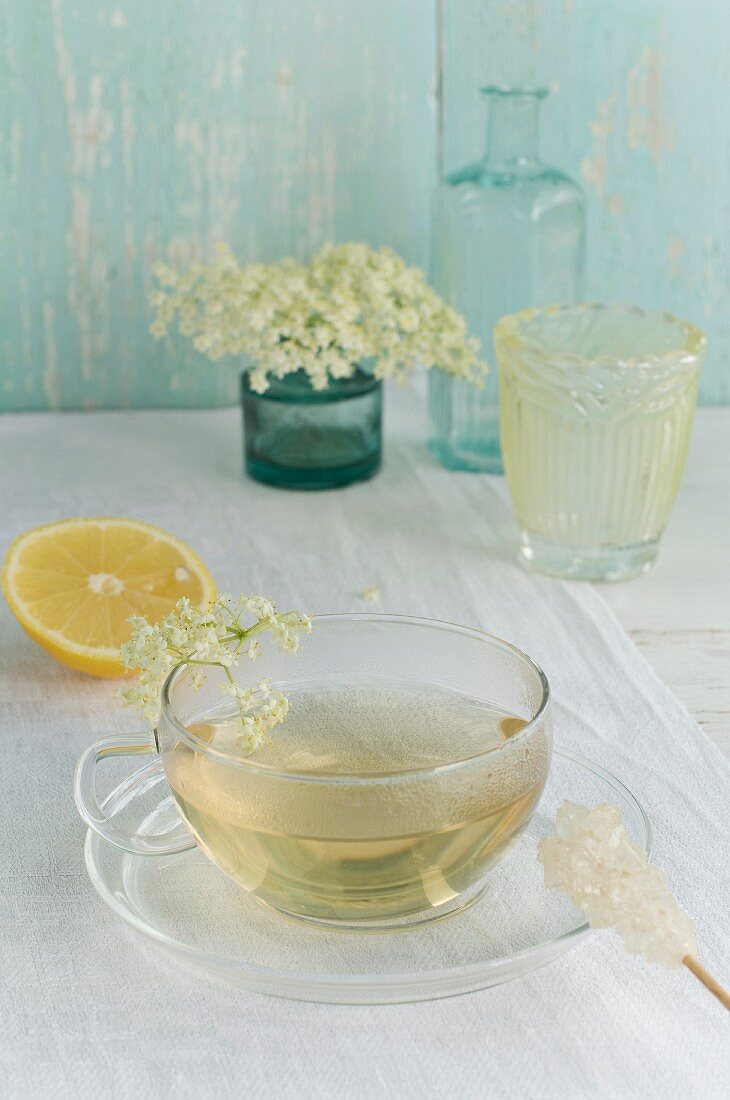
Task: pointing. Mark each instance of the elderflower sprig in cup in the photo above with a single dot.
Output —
(191, 644)
(414, 754)
(214, 637)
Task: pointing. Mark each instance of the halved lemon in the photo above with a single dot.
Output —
(73, 584)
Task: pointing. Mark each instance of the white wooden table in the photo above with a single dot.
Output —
(679, 614)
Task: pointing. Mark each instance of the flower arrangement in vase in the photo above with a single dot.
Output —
(318, 339)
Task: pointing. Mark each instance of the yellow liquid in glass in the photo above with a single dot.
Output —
(592, 481)
(596, 409)
(356, 850)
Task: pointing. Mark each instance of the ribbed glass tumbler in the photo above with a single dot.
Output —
(596, 409)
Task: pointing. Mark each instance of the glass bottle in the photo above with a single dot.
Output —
(508, 233)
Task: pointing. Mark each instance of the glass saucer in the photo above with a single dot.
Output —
(185, 905)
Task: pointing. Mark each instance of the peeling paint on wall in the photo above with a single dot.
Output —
(676, 248)
(594, 168)
(644, 95)
(616, 205)
(716, 288)
(159, 129)
(50, 373)
(646, 126)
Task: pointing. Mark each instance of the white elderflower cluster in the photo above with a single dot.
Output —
(351, 304)
(371, 593)
(608, 876)
(212, 637)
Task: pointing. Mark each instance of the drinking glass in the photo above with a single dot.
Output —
(596, 408)
(364, 850)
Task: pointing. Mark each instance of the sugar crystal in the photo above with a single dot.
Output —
(607, 875)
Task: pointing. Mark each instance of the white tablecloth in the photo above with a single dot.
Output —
(88, 1011)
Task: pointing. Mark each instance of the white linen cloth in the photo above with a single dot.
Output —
(89, 1010)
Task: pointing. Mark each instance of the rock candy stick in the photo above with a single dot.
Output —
(607, 875)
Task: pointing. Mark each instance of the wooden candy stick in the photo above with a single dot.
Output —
(707, 980)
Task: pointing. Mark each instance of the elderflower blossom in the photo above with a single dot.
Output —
(215, 636)
(608, 876)
(349, 305)
(371, 593)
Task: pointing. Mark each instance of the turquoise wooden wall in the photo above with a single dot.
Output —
(640, 115)
(132, 130)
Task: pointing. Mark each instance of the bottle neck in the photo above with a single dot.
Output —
(512, 129)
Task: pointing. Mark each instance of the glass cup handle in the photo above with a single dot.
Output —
(100, 817)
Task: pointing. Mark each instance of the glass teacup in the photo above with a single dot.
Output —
(413, 755)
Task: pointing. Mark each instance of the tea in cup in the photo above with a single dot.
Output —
(414, 753)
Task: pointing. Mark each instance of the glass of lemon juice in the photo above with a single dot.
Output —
(413, 755)
(596, 410)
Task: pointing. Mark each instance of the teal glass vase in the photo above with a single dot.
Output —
(296, 437)
(508, 233)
